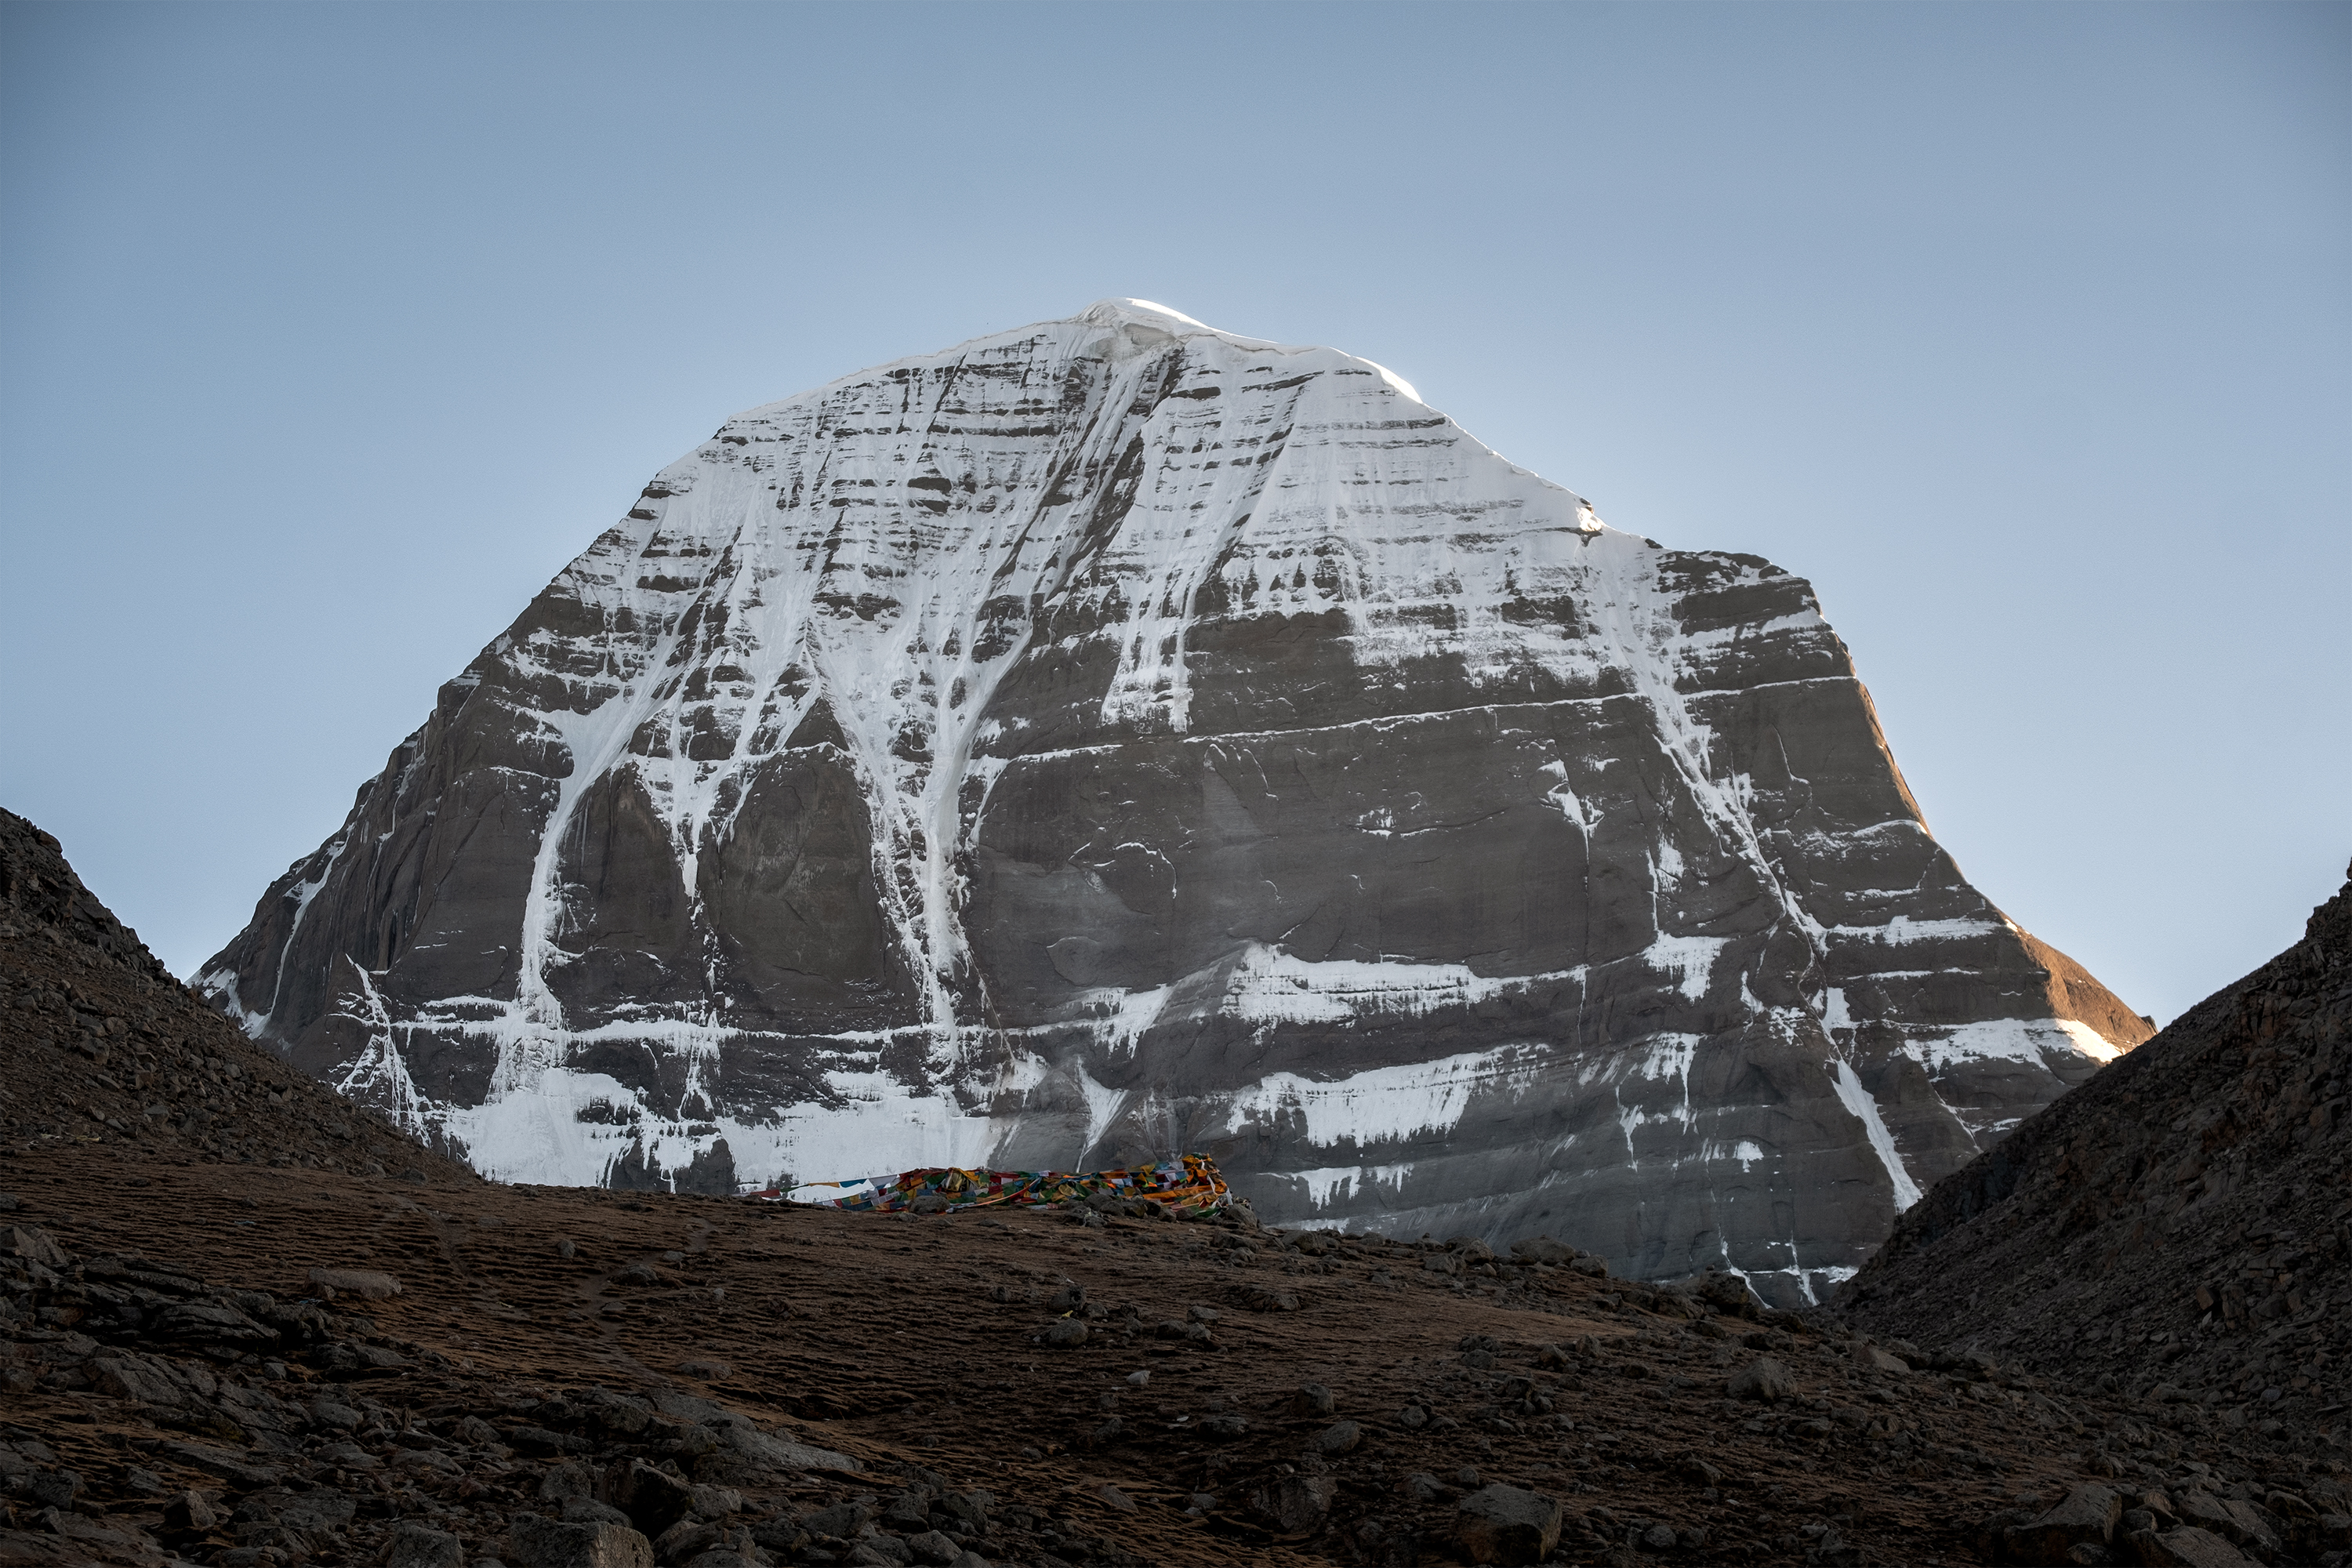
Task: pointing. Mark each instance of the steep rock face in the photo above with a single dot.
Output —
(1117, 737)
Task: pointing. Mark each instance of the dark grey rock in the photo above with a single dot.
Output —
(536, 1542)
(2188, 1547)
(413, 1545)
(931, 1547)
(1765, 1379)
(1340, 1437)
(562, 1482)
(1509, 1525)
(652, 1500)
(843, 1520)
(1293, 1504)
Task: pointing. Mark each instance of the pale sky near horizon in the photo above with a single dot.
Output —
(329, 333)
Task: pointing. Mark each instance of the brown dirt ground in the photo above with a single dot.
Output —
(912, 1344)
(878, 1337)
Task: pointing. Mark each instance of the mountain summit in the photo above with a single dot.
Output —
(1117, 737)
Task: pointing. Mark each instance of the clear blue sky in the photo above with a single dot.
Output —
(328, 332)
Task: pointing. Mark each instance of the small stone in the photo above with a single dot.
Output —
(686, 1539)
(1764, 1379)
(1312, 1399)
(560, 1482)
(1224, 1427)
(536, 1542)
(413, 1546)
(1199, 1314)
(1340, 1437)
(654, 1500)
(1138, 1379)
(1413, 1417)
(2087, 1516)
(34, 1245)
(366, 1283)
(709, 1370)
(1064, 1333)
(1870, 1358)
(1659, 1538)
(2188, 1547)
(1509, 1525)
(716, 1502)
(843, 1520)
(1294, 1502)
(189, 1511)
(1068, 1299)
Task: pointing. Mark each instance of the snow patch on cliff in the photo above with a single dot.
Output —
(1385, 1105)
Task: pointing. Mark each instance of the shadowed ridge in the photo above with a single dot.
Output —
(2181, 1219)
(98, 1044)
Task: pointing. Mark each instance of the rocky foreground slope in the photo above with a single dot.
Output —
(370, 1356)
(104, 1046)
(1116, 739)
(2180, 1227)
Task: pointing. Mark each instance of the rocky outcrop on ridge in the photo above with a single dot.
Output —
(2179, 1228)
(1117, 738)
(100, 1045)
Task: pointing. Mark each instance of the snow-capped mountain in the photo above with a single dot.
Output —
(1119, 737)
